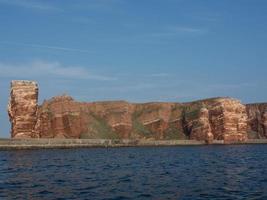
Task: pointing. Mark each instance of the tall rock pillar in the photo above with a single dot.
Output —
(22, 108)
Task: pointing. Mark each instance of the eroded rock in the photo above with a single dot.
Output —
(201, 129)
(257, 120)
(218, 118)
(63, 117)
(22, 108)
(228, 120)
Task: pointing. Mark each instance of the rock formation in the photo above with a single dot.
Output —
(257, 120)
(201, 129)
(22, 108)
(229, 120)
(218, 118)
(62, 117)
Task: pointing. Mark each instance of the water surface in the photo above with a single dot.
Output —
(185, 172)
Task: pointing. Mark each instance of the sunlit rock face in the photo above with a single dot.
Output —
(22, 108)
(257, 120)
(63, 117)
(201, 129)
(217, 118)
(220, 118)
(59, 117)
(228, 120)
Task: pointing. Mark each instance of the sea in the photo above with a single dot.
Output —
(183, 172)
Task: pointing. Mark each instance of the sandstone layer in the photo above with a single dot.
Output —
(22, 108)
(63, 117)
(257, 120)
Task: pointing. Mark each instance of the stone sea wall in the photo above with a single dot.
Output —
(53, 143)
(30, 143)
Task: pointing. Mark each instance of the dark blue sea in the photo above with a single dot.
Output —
(189, 172)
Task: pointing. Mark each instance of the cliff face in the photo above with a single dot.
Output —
(257, 120)
(202, 127)
(220, 118)
(22, 108)
(62, 117)
(229, 120)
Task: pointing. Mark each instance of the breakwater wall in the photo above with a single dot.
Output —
(8, 144)
(84, 143)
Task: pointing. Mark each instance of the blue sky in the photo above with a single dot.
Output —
(136, 50)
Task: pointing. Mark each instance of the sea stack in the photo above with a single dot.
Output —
(22, 108)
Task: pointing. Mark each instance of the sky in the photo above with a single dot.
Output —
(134, 50)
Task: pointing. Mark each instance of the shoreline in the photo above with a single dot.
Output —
(19, 144)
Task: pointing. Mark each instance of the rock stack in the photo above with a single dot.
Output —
(22, 108)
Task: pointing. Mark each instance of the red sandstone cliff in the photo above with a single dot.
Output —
(229, 120)
(218, 118)
(201, 129)
(22, 108)
(62, 117)
(257, 120)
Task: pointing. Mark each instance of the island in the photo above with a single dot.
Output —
(62, 120)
